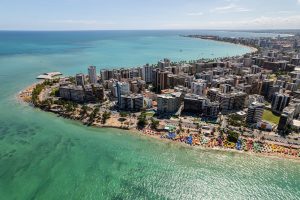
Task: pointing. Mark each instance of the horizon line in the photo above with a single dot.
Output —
(216, 29)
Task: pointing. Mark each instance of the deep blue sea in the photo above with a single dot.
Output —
(46, 157)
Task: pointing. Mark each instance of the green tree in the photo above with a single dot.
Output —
(154, 123)
(232, 136)
(142, 120)
(123, 114)
(84, 110)
(105, 116)
(54, 92)
(93, 115)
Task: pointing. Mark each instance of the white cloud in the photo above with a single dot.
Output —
(195, 13)
(229, 8)
(260, 22)
(263, 22)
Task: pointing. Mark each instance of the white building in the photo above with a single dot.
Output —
(199, 87)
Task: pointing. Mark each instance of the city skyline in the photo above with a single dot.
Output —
(154, 14)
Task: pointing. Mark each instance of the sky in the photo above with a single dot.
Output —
(148, 14)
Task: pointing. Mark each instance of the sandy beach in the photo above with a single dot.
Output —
(25, 96)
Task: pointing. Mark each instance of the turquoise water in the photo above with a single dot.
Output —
(45, 157)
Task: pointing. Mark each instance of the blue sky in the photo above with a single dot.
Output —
(148, 14)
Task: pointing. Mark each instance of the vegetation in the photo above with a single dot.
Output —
(290, 129)
(105, 116)
(36, 92)
(46, 105)
(123, 114)
(232, 136)
(270, 117)
(279, 73)
(55, 92)
(84, 110)
(68, 105)
(154, 123)
(142, 120)
(72, 80)
(180, 126)
(236, 120)
(93, 115)
(39, 88)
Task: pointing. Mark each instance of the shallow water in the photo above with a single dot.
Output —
(46, 157)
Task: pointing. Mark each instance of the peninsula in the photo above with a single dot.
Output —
(248, 103)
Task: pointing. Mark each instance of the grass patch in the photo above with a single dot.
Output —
(270, 117)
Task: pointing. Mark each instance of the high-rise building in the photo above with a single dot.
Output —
(90, 93)
(92, 74)
(133, 102)
(122, 88)
(212, 94)
(255, 98)
(80, 79)
(199, 87)
(104, 74)
(208, 76)
(212, 109)
(296, 94)
(161, 80)
(147, 73)
(266, 85)
(255, 112)
(162, 64)
(280, 101)
(194, 103)
(272, 90)
(168, 103)
(225, 88)
(134, 73)
(228, 102)
(201, 105)
(286, 118)
(255, 69)
(247, 62)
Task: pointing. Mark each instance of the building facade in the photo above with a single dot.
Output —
(168, 103)
(92, 74)
(255, 112)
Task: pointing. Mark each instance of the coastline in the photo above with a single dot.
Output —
(216, 149)
(158, 135)
(25, 97)
(252, 49)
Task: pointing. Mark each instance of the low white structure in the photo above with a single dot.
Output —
(49, 75)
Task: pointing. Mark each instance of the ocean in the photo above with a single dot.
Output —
(46, 157)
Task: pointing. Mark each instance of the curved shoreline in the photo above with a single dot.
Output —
(252, 49)
(24, 96)
(158, 137)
